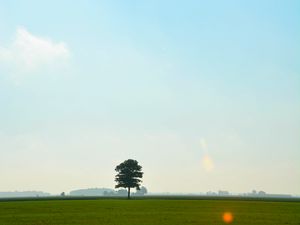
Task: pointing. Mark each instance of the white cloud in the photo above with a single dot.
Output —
(29, 53)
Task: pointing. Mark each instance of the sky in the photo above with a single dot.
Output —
(205, 95)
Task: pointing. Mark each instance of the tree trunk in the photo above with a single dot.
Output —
(128, 193)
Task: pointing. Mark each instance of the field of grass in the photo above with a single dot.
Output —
(147, 212)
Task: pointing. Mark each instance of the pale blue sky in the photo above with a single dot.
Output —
(204, 94)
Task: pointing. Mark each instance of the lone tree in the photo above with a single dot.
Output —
(129, 174)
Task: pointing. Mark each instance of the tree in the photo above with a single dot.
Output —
(129, 175)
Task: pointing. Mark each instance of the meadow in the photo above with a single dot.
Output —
(147, 212)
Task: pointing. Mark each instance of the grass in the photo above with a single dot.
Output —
(147, 212)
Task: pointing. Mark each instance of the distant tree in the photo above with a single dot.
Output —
(143, 190)
(129, 175)
(63, 194)
(122, 192)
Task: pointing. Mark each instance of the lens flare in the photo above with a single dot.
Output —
(227, 217)
(207, 163)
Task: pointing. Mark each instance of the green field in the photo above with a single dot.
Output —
(147, 212)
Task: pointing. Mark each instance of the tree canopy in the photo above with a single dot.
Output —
(129, 174)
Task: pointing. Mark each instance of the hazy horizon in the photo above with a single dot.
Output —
(204, 95)
(93, 190)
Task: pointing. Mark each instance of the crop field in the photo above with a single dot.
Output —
(148, 212)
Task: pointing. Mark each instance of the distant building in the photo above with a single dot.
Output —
(210, 193)
(223, 193)
(264, 194)
(261, 193)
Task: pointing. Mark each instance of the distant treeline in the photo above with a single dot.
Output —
(79, 192)
(12, 194)
(106, 192)
(90, 192)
